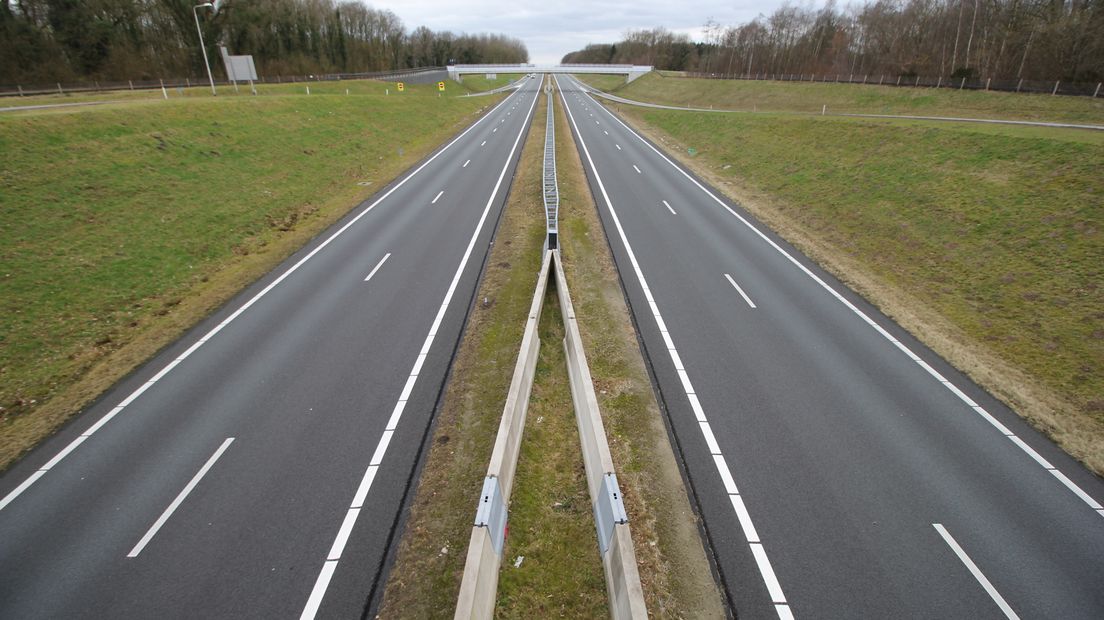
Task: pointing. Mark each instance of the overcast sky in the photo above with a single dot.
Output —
(552, 28)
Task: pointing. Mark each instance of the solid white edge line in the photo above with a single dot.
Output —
(975, 571)
(1031, 452)
(381, 447)
(409, 387)
(767, 570)
(685, 378)
(742, 515)
(726, 476)
(750, 533)
(152, 531)
(418, 364)
(64, 452)
(710, 440)
(699, 413)
(396, 415)
(739, 290)
(862, 315)
(437, 197)
(320, 586)
(365, 484)
(322, 583)
(343, 532)
(1085, 497)
(22, 487)
(17, 491)
(378, 265)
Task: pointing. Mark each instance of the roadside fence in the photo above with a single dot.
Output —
(59, 88)
(1050, 87)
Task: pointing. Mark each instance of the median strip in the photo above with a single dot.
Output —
(478, 589)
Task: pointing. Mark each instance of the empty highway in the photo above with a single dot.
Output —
(257, 467)
(841, 468)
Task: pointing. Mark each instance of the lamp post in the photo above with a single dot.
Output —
(202, 47)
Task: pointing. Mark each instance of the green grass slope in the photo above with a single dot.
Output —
(767, 96)
(121, 224)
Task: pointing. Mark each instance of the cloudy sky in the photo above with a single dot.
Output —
(552, 28)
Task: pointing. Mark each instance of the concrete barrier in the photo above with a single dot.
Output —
(480, 583)
(626, 596)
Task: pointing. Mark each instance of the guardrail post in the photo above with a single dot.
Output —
(21, 90)
(60, 92)
(987, 81)
(1055, 91)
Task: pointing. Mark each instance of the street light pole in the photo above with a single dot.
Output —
(202, 47)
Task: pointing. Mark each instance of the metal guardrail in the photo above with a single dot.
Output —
(551, 185)
(479, 586)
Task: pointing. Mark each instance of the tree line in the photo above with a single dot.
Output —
(43, 41)
(999, 39)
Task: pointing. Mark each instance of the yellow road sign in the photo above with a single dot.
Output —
(401, 86)
(441, 86)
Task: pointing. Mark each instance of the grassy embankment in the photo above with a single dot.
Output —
(478, 82)
(122, 225)
(765, 96)
(551, 523)
(472, 84)
(984, 241)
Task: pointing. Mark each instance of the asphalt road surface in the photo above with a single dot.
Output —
(257, 467)
(841, 468)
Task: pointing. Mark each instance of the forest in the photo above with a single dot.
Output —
(46, 41)
(976, 39)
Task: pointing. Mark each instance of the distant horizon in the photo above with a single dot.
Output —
(552, 30)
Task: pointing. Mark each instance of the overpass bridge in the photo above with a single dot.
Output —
(631, 72)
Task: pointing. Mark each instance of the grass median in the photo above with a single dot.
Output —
(984, 241)
(122, 225)
(551, 522)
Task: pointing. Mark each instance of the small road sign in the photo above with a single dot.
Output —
(401, 86)
(441, 86)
